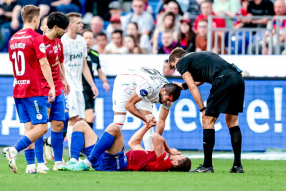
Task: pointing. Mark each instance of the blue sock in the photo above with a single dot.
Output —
(104, 143)
(39, 144)
(77, 143)
(30, 156)
(66, 122)
(57, 144)
(22, 143)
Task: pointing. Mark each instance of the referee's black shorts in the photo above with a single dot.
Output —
(88, 97)
(226, 95)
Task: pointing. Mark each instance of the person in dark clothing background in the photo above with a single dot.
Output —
(93, 64)
(226, 96)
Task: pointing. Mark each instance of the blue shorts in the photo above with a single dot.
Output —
(32, 109)
(66, 102)
(108, 162)
(57, 108)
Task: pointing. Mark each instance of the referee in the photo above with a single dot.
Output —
(226, 96)
(93, 64)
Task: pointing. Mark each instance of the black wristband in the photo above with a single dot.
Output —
(203, 109)
(185, 86)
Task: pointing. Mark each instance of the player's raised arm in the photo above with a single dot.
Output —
(46, 69)
(161, 122)
(136, 139)
(87, 74)
(161, 146)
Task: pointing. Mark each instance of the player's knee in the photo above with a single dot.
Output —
(58, 127)
(90, 118)
(44, 129)
(79, 126)
(119, 120)
(113, 129)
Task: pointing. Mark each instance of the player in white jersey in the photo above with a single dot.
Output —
(75, 53)
(136, 91)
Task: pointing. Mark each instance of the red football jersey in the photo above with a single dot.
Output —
(139, 160)
(54, 50)
(26, 47)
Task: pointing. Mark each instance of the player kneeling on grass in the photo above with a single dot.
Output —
(107, 153)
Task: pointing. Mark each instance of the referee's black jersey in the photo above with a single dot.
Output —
(93, 64)
(204, 66)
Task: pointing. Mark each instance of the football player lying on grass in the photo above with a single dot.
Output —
(107, 153)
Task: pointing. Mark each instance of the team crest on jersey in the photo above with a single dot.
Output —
(55, 48)
(42, 48)
(143, 93)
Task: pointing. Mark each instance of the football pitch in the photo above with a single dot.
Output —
(259, 175)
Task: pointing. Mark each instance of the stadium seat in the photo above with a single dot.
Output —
(239, 44)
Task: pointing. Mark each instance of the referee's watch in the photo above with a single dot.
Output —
(203, 109)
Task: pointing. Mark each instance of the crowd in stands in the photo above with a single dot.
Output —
(155, 26)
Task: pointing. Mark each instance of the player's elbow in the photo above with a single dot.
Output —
(155, 137)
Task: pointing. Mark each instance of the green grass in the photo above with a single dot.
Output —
(259, 175)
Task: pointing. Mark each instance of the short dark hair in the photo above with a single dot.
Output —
(173, 89)
(177, 53)
(101, 34)
(118, 31)
(170, 65)
(207, 1)
(59, 19)
(86, 30)
(183, 166)
(134, 23)
(29, 12)
(203, 20)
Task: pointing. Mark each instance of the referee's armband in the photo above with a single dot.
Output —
(185, 86)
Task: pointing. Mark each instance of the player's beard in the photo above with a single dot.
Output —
(161, 97)
(59, 35)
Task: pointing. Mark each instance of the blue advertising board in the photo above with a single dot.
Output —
(261, 123)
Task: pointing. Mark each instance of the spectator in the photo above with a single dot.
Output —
(241, 12)
(142, 39)
(224, 8)
(187, 37)
(280, 10)
(173, 7)
(44, 24)
(6, 11)
(168, 43)
(168, 24)
(194, 8)
(17, 21)
(115, 10)
(201, 39)
(206, 8)
(168, 69)
(116, 44)
(144, 20)
(96, 25)
(148, 8)
(115, 24)
(66, 6)
(258, 8)
(101, 42)
(131, 44)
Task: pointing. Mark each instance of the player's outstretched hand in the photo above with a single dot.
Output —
(151, 124)
(95, 91)
(179, 84)
(174, 152)
(52, 95)
(66, 87)
(106, 86)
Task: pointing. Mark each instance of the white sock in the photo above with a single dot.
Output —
(87, 163)
(147, 139)
(14, 150)
(69, 134)
(74, 160)
(49, 141)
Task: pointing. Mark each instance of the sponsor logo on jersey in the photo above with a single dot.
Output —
(21, 82)
(21, 37)
(17, 45)
(55, 48)
(74, 56)
(143, 93)
(42, 48)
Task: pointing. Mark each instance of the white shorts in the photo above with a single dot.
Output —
(76, 104)
(120, 98)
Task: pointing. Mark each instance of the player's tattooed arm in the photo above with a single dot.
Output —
(184, 86)
(136, 139)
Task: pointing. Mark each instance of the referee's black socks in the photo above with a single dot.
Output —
(208, 141)
(236, 138)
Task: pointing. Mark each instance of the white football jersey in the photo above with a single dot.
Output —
(146, 82)
(75, 51)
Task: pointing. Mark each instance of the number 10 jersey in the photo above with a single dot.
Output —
(26, 47)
